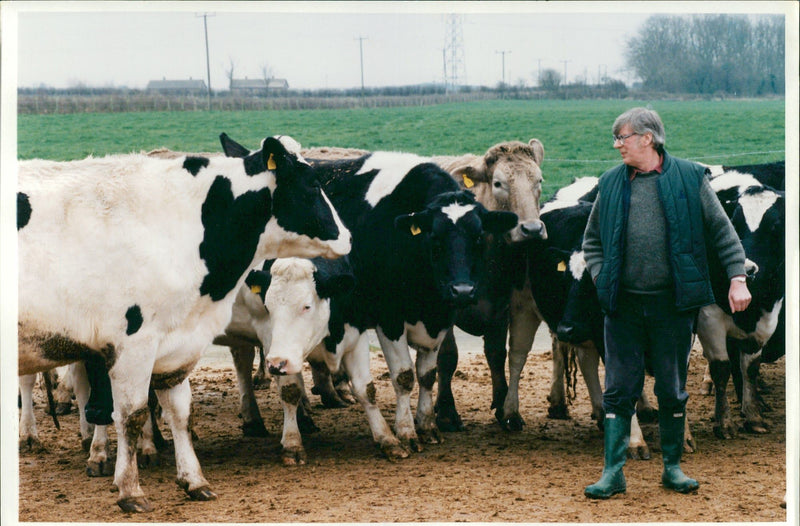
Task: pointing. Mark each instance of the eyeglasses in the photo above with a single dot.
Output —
(621, 138)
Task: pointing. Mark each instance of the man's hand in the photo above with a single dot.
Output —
(738, 296)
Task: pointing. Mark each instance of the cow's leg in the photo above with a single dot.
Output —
(751, 410)
(357, 365)
(711, 330)
(176, 404)
(558, 398)
(689, 445)
(94, 438)
(304, 421)
(252, 423)
(290, 389)
(147, 452)
(425, 418)
(323, 385)
(645, 410)
(589, 362)
(64, 391)
(522, 329)
(707, 385)
(447, 417)
(401, 371)
(130, 378)
(637, 447)
(28, 435)
(261, 380)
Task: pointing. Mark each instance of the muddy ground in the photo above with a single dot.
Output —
(480, 475)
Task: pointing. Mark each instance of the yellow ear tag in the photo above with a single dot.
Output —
(469, 183)
(562, 266)
(415, 230)
(255, 289)
(271, 163)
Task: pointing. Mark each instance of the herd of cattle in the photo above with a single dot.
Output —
(143, 260)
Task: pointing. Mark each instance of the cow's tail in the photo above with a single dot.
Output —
(51, 403)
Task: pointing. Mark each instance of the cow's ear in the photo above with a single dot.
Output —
(232, 148)
(468, 175)
(559, 257)
(413, 224)
(538, 150)
(330, 285)
(276, 157)
(258, 281)
(499, 222)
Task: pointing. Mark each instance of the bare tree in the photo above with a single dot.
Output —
(230, 71)
(550, 80)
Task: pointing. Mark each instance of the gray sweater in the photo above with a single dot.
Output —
(646, 267)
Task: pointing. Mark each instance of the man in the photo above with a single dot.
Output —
(645, 247)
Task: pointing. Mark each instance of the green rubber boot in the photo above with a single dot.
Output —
(671, 426)
(616, 437)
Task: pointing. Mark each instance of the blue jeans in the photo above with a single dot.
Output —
(647, 331)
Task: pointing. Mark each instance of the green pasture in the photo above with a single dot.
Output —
(576, 134)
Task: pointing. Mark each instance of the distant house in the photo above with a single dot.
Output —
(247, 86)
(178, 87)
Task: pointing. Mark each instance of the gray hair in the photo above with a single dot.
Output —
(642, 120)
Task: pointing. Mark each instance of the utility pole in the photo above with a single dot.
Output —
(503, 54)
(565, 77)
(454, 53)
(539, 78)
(208, 63)
(361, 52)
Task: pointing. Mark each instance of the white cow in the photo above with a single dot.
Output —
(139, 259)
(296, 309)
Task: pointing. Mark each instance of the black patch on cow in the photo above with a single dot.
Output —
(194, 164)
(291, 394)
(232, 228)
(168, 380)
(427, 380)
(134, 317)
(405, 379)
(23, 210)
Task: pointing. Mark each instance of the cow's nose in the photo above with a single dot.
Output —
(462, 291)
(533, 230)
(278, 367)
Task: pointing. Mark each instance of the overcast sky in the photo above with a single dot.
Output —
(316, 45)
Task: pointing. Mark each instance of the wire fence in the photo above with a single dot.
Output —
(695, 158)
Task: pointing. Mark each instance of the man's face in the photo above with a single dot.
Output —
(635, 150)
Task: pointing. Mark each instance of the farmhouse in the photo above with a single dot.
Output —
(180, 87)
(262, 86)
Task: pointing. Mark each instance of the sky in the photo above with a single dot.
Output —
(317, 44)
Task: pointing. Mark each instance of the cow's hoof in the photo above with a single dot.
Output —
(202, 493)
(135, 505)
(31, 445)
(725, 432)
(261, 382)
(647, 415)
(756, 427)
(706, 389)
(413, 444)
(558, 412)
(293, 456)
(254, 429)
(104, 468)
(86, 443)
(332, 401)
(148, 460)
(395, 451)
(639, 452)
(513, 423)
(430, 436)
(306, 424)
(689, 445)
(346, 396)
(449, 421)
(63, 408)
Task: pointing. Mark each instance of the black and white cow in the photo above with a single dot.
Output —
(139, 260)
(768, 174)
(417, 241)
(507, 177)
(295, 309)
(758, 215)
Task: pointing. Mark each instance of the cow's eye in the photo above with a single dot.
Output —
(306, 308)
(498, 184)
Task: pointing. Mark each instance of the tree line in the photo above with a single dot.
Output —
(735, 55)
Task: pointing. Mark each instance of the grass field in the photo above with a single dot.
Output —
(576, 134)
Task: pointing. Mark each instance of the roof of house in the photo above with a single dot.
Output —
(190, 84)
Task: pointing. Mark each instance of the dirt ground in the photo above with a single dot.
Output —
(480, 475)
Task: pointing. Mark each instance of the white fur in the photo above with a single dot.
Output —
(456, 211)
(393, 167)
(755, 206)
(568, 195)
(733, 179)
(577, 265)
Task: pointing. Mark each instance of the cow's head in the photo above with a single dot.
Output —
(450, 230)
(582, 320)
(298, 297)
(304, 223)
(511, 172)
